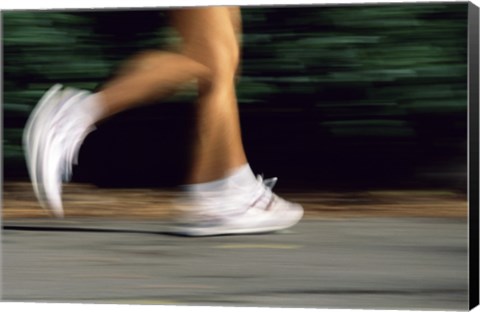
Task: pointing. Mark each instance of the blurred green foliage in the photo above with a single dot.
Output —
(355, 72)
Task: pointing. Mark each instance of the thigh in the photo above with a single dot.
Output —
(209, 35)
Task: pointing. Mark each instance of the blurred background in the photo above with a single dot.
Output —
(340, 97)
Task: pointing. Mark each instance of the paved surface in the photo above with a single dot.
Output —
(387, 263)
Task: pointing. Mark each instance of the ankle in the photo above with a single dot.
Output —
(92, 108)
(239, 178)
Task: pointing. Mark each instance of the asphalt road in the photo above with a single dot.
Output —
(372, 263)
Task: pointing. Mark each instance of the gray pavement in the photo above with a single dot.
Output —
(372, 263)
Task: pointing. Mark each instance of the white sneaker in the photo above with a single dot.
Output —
(51, 139)
(238, 212)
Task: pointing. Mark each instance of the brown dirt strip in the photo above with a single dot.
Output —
(81, 200)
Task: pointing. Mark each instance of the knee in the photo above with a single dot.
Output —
(220, 55)
(226, 56)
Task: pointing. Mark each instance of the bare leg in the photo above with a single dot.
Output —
(149, 76)
(211, 37)
(209, 55)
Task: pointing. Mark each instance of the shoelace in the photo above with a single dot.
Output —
(265, 195)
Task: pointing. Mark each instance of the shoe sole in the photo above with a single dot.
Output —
(191, 231)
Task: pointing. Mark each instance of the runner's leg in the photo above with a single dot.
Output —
(209, 53)
(211, 37)
(149, 76)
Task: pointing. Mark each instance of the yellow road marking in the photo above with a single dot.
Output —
(258, 246)
(144, 301)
